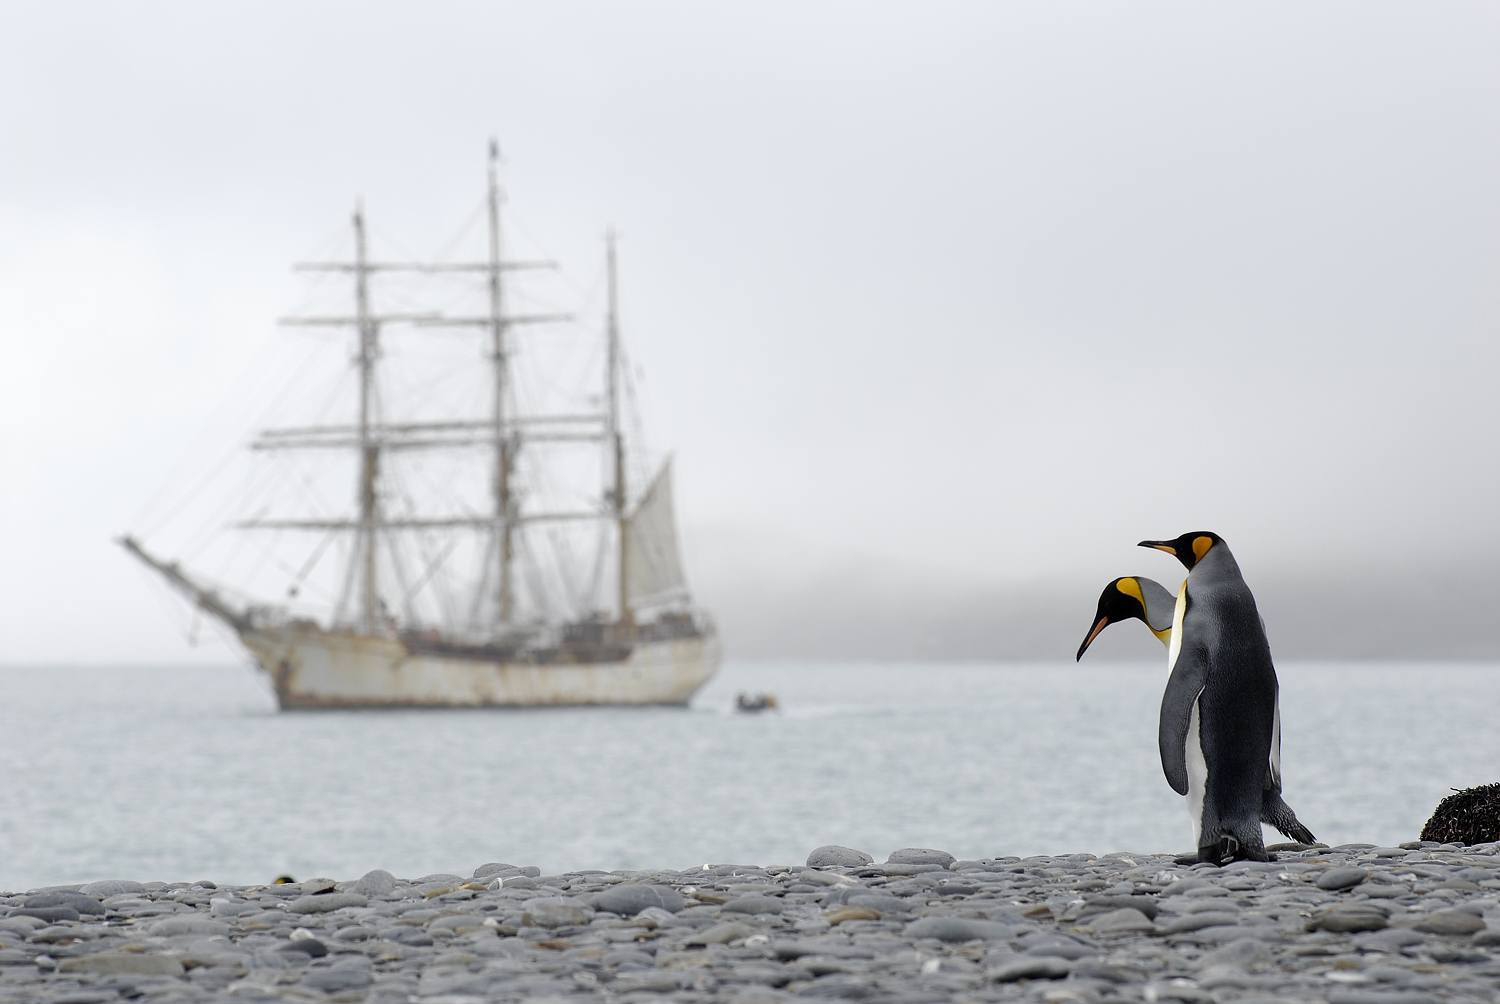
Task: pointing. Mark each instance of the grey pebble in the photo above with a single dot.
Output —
(1341, 878)
(111, 887)
(1126, 920)
(754, 905)
(957, 929)
(191, 924)
(1450, 922)
(834, 856)
(557, 911)
(631, 898)
(1347, 920)
(375, 883)
(721, 934)
(326, 902)
(920, 856)
(1030, 969)
(122, 963)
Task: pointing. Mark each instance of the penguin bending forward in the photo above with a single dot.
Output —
(1220, 729)
(1146, 600)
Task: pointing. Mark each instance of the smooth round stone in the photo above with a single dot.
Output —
(1058, 947)
(375, 883)
(1126, 920)
(74, 900)
(957, 929)
(456, 923)
(721, 934)
(630, 898)
(1335, 879)
(754, 905)
(920, 856)
(1450, 922)
(111, 887)
(326, 902)
(1379, 997)
(1041, 968)
(1242, 953)
(46, 914)
(1391, 940)
(835, 856)
(1197, 922)
(337, 978)
(1347, 920)
(122, 964)
(557, 911)
(1145, 904)
(170, 927)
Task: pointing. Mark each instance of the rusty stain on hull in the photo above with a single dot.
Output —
(310, 668)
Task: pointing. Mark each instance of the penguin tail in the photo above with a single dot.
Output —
(1275, 812)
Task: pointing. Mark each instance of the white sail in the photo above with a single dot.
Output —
(653, 568)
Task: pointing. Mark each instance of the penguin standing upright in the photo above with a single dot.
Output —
(1219, 733)
(1137, 597)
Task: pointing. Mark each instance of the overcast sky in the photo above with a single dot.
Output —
(942, 306)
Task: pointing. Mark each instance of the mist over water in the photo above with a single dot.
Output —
(184, 773)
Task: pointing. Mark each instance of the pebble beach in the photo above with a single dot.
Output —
(1355, 924)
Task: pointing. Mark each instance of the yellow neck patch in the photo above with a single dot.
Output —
(1201, 546)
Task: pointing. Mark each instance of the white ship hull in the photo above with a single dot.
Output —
(310, 668)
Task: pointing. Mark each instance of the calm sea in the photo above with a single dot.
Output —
(177, 773)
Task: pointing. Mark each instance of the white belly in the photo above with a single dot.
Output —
(1197, 771)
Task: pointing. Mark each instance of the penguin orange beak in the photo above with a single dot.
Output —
(1161, 545)
(1100, 625)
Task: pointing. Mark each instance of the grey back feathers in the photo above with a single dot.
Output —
(1159, 602)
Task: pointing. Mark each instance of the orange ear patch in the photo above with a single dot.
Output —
(1201, 546)
(1131, 588)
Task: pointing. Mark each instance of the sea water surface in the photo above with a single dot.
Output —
(186, 773)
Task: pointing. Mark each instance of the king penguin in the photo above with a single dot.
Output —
(1219, 728)
(1137, 597)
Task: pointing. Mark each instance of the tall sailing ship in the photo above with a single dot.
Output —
(448, 608)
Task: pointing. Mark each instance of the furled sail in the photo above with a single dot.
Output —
(653, 568)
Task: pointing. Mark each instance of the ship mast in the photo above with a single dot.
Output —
(613, 433)
(369, 453)
(504, 515)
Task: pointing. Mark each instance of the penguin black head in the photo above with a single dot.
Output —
(1189, 548)
(1121, 600)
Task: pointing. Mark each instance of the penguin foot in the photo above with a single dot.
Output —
(1221, 852)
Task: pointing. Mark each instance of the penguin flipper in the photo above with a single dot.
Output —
(1183, 687)
(1273, 773)
(1275, 812)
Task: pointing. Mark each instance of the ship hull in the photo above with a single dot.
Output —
(310, 669)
